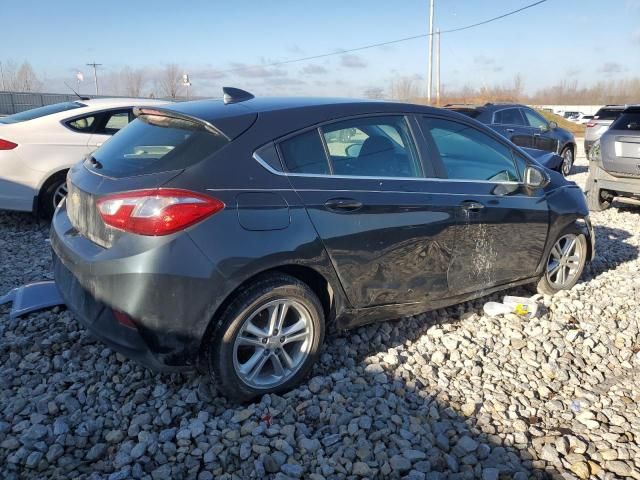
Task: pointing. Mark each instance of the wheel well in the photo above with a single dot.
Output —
(51, 178)
(312, 278)
(570, 145)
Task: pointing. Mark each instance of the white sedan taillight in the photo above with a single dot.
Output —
(156, 212)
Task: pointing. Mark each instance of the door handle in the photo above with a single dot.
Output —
(343, 205)
(536, 134)
(471, 206)
(510, 130)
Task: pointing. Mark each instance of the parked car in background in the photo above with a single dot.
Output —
(600, 123)
(526, 128)
(614, 166)
(231, 234)
(38, 146)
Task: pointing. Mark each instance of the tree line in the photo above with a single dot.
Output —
(565, 92)
(164, 82)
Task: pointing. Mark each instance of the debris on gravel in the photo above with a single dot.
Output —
(447, 394)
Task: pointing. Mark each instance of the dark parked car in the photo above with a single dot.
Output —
(231, 234)
(614, 163)
(526, 128)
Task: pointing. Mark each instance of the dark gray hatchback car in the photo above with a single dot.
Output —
(230, 235)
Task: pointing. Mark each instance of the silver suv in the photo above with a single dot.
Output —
(599, 124)
(614, 163)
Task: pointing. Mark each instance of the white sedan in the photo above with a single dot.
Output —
(38, 146)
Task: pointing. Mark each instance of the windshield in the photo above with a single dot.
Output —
(152, 144)
(41, 112)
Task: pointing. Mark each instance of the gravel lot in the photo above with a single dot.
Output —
(448, 394)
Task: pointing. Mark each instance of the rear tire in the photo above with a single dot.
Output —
(565, 261)
(267, 339)
(595, 202)
(51, 194)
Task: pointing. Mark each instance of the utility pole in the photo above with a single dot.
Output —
(95, 73)
(438, 67)
(430, 74)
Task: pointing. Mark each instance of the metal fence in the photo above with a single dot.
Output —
(13, 102)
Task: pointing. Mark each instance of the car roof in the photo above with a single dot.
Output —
(212, 110)
(280, 115)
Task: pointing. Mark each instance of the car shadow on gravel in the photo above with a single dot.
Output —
(612, 250)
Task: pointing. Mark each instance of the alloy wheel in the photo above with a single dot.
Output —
(567, 162)
(59, 194)
(273, 343)
(565, 261)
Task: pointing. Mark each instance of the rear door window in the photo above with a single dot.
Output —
(508, 116)
(305, 154)
(372, 147)
(152, 144)
(469, 154)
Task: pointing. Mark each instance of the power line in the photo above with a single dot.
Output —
(381, 44)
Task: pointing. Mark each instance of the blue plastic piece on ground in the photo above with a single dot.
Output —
(32, 297)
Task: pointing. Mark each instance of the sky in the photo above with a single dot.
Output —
(584, 40)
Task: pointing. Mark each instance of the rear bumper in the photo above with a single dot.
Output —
(620, 184)
(101, 322)
(164, 284)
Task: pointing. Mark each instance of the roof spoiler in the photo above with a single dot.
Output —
(162, 112)
(235, 95)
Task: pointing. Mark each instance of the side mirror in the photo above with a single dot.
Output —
(553, 125)
(534, 177)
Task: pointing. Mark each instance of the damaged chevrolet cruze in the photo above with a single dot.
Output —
(230, 235)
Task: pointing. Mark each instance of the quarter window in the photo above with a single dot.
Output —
(82, 124)
(372, 147)
(508, 116)
(469, 154)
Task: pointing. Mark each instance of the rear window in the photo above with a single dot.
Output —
(41, 112)
(152, 144)
(608, 114)
(627, 121)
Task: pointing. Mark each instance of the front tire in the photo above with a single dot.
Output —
(567, 160)
(565, 262)
(267, 339)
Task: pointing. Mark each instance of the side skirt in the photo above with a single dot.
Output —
(356, 318)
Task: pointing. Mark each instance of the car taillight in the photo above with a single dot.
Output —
(156, 212)
(124, 319)
(591, 124)
(7, 145)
